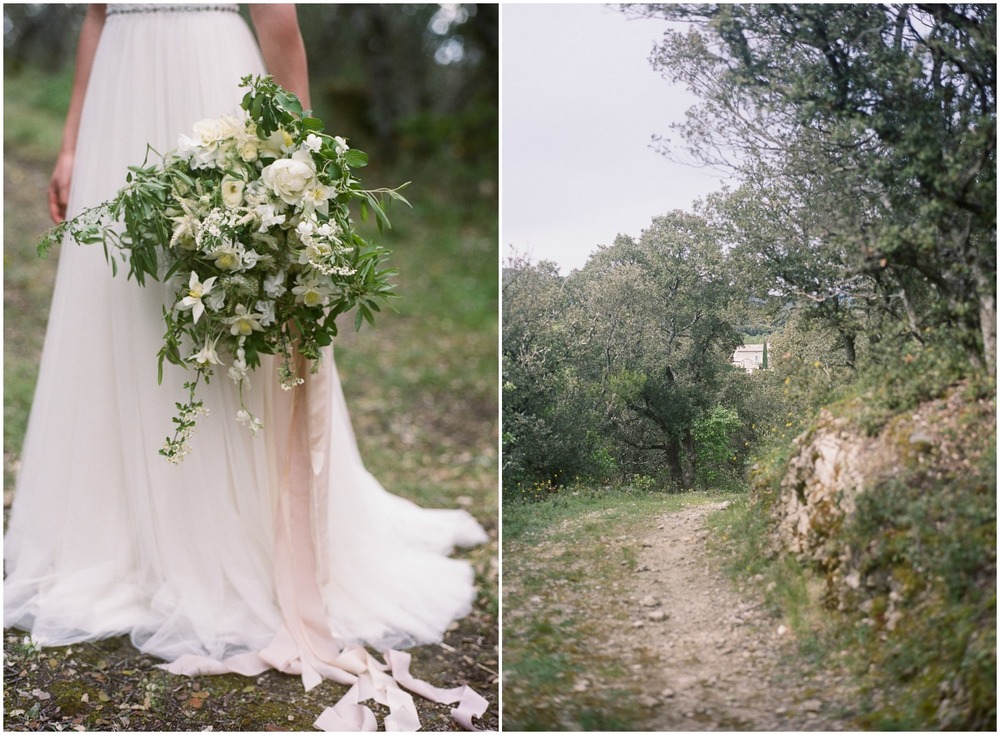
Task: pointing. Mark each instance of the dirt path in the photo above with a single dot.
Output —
(721, 661)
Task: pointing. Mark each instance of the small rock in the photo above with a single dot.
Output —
(581, 686)
(757, 578)
(535, 599)
(656, 616)
(921, 441)
(644, 568)
(782, 630)
(811, 705)
(649, 601)
(668, 693)
(649, 702)
(771, 586)
(638, 624)
(781, 711)
(647, 544)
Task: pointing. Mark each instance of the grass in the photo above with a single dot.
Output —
(422, 392)
(563, 564)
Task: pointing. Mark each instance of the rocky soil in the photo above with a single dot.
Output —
(705, 655)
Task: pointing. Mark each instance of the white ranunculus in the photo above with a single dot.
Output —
(232, 191)
(209, 132)
(289, 178)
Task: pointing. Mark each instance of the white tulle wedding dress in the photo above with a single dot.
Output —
(278, 550)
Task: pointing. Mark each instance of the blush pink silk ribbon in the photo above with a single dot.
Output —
(304, 645)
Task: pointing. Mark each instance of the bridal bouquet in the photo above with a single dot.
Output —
(249, 222)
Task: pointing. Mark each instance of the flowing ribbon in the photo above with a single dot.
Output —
(304, 645)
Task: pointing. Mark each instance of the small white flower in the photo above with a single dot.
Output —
(277, 144)
(207, 354)
(266, 311)
(185, 232)
(196, 292)
(247, 419)
(232, 191)
(328, 229)
(313, 142)
(274, 284)
(230, 256)
(215, 300)
(269, 216)
(317, 197)
(243, 323)
(341, 145)
(311, 292)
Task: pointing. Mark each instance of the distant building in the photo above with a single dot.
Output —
(751, 357)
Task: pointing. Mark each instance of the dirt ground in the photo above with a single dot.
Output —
(650, 633)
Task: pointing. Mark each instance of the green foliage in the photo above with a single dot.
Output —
(921, 627)
(35, 104)
(868, 162)
(713, 434)
(929, 547)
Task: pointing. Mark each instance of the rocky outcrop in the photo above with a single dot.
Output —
(827, 471)
(835, 461)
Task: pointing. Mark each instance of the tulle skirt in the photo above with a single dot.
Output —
(200, 560)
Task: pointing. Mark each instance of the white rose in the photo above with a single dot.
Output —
(232, 191)
(288, 178)
(247, 148)
(208, 132)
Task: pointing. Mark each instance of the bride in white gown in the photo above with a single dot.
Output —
(279, 550)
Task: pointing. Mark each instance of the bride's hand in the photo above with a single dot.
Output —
(59, 186)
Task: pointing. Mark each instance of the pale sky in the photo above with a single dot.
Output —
(580, 106)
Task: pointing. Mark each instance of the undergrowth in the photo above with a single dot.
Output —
(920, 632)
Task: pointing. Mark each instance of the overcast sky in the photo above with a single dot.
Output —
(580, 106)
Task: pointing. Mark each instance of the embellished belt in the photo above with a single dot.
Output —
(122, 9)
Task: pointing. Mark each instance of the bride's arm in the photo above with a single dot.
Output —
(90, 34)
(281, 44)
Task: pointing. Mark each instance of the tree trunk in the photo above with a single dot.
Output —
(690, 466)
(987, 317)
(675, 464)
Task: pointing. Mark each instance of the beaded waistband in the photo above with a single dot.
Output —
(122, 9)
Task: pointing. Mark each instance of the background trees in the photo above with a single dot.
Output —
(609, 370)
(874, 129)
(860, 240)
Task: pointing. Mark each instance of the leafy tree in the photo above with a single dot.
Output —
(883, 115)
(653, 341)
(546, 434)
